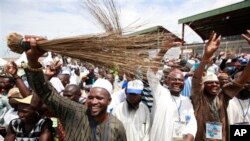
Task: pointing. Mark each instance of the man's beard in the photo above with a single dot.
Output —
(131, 107)
(244, 94)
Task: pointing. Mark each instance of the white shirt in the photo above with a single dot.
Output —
(10, 115)
(74, 79)
(57, 84)
(117, 98)
(165, 112)
(235, 112)
(135, 122)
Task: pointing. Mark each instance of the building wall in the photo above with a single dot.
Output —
(233, 47)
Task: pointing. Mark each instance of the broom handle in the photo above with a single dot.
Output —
(25, 45)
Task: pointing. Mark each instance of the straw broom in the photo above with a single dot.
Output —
(109, 49)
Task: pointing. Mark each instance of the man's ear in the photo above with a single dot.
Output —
(110, 99)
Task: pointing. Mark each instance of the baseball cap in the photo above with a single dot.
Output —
(134, 87)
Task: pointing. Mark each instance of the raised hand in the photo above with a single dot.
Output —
(212, 45)
(34, 53)
(11, 68)
(247, 37)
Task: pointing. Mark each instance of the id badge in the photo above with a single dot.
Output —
(54, 122)
(214, 130)
(179, 127)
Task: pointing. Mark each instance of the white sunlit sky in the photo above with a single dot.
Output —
(62, 18)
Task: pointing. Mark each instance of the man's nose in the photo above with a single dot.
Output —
(94, 101)
(20, 114)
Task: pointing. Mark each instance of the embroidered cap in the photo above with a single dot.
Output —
(103, 83)
(134, 87)
(210, 77)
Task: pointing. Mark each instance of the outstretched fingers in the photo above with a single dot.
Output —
(218, 40)
(214, 36)
(246, 37)
(37, 38)
(211, 36)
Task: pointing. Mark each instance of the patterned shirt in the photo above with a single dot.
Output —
(17, 127)
(147, 97)
(78, 124)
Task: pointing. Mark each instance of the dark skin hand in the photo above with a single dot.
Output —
(53, 69)
(34, 53)
(19, 82)
(157, 59)
(211, 47)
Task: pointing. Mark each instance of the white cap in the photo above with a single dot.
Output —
(103, 83)
(210, 77)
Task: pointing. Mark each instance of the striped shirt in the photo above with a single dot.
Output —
(78, 124)
(147, 97)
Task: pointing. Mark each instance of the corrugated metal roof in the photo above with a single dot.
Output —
(154, 29)
(230, 8)
(227, 21)
(149, 30)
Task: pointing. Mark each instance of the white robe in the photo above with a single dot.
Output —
(135, 122)
(57, 84)
(235, 113)
(165, 112)
(117, 98)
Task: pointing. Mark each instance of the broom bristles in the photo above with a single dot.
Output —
(13, 42)
(109, 49)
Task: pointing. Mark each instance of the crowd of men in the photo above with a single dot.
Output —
(193, 99)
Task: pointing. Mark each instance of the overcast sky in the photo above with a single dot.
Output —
(61, 18)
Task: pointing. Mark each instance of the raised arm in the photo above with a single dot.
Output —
(60, 106)
(12, 70)
(245, 76)
(211, 47)
(161, 53)
(153, 80)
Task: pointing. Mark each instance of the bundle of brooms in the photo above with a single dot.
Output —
(111, 49)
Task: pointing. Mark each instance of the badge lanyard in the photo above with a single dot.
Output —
(214, 109)
(244, 114)
(178, 108)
